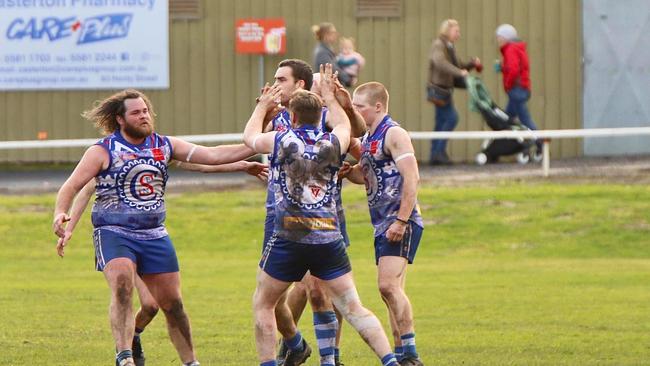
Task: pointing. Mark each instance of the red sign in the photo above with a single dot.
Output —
(261, 36)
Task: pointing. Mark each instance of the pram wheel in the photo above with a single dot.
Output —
(481, 158)
(538, 155)
(523, 158)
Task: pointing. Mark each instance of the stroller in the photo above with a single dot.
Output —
(498, 120)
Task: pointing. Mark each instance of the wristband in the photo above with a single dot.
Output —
(405, 222)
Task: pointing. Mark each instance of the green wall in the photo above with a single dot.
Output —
(213, 89)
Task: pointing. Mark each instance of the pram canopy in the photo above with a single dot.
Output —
(479, 98)
(480, 101)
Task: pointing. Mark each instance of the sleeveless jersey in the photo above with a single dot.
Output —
(383, 180)
(305, 164)
(280, 123)
(130, 192)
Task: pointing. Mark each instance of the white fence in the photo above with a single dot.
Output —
(545, 135)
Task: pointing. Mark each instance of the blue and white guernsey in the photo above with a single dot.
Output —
(305, 164)
(130, 192)
(383, 180)
(281, 123)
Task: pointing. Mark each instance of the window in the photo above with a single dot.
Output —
(184, 9)
(379, 8)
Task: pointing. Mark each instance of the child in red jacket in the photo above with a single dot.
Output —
(516, 73)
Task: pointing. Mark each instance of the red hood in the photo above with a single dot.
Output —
(518, 45)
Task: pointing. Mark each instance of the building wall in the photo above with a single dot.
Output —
(213, 89)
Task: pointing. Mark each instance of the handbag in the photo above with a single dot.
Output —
(437, 95)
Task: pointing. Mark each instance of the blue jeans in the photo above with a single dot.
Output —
(517, 98)
(446, 120)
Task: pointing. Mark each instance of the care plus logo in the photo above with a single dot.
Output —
(141, 183)
(94, 29)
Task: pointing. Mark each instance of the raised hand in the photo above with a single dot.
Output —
(270, 98)
(262, 89)
(343, 95)
(327, 81)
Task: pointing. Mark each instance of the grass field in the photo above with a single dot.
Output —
(506, 274)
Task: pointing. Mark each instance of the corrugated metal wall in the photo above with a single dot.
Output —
(616, 73)
(212, 88)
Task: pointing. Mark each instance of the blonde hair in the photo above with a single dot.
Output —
(446, 25)
(374, 92)
(306, 106)
(347, 39)
(322, 29)
(104, 113)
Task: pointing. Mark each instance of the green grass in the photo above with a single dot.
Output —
(511, 274)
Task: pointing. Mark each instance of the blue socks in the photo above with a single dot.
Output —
(325, 326)
(389, 360)
(295, 343)
(408, 345)
(399, 352)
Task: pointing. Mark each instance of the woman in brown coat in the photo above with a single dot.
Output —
(446, 71)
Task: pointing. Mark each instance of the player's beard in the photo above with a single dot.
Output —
(139, 131)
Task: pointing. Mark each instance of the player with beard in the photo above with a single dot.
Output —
(130, 239)
(148, 306)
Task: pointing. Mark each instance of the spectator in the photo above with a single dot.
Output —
(446, 71)
(349, 60)
(327, 36)
(516, 76)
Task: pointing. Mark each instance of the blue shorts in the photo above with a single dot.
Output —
(150, 256)
(269, 223)
(344, 228)
(406, 248)
(289, 261)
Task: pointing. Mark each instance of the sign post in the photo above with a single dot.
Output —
(261, 37)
